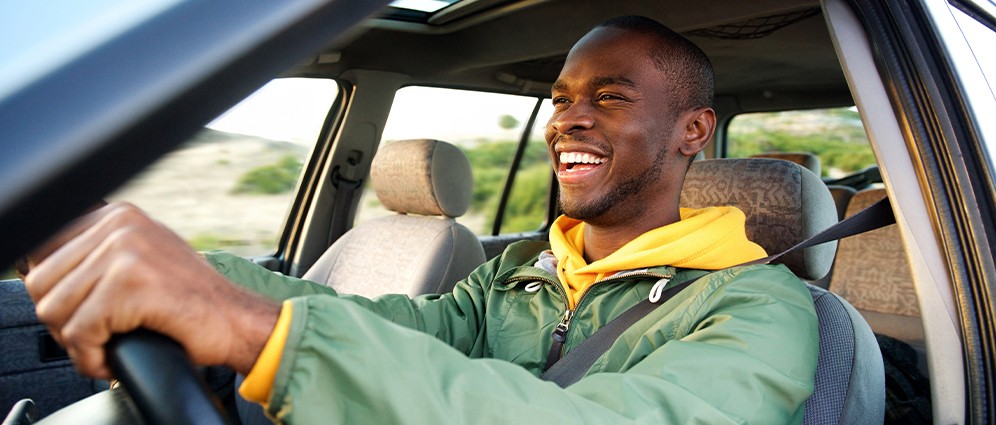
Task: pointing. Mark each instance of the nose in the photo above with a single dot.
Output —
(575, 117)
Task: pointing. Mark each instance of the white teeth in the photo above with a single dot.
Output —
(580, 158)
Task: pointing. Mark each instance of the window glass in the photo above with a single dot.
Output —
(835, 135)
(422, 5)
(529, 199)
(231, 185)
(980, 39)
(980, 33)
(485, 126)
(40, 36)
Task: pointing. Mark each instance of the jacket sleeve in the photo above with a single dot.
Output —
(746, 354)
(454, 318)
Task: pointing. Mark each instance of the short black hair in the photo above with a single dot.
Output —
(688, 67)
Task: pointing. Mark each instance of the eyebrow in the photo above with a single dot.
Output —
(598, 82)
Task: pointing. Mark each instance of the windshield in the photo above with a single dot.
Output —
(37, 37)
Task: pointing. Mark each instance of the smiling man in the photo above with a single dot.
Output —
(632, 109)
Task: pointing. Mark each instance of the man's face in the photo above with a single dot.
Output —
(612, 133)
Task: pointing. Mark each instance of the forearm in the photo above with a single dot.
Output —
(259, 280)
(453, 318)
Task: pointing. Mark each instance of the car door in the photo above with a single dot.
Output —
(925, 110)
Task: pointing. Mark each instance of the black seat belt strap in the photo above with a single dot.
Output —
(345, 188)
(877, 215)
(570, 368)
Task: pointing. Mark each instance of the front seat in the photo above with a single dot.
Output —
(420, 248)
(786, 203)
(841, 194)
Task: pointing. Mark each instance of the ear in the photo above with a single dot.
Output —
(699, 125)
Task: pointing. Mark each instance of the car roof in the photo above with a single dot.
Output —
(768, 55)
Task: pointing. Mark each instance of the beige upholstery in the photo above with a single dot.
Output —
(422, 249)
(873, 274)
(784, 204)
(424, 176)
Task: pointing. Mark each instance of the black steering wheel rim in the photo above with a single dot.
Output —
(161, 381)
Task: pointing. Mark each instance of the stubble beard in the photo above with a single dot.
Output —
(601, 208)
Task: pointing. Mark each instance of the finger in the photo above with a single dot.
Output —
(84, 336)
(70, 254)
(103, 313)
(57, 304)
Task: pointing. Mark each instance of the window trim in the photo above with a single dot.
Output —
(938, 131)
(520, 151)
(308, 184)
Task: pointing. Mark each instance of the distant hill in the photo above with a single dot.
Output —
(191, 191)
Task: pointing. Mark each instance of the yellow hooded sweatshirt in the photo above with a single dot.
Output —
(710, 238)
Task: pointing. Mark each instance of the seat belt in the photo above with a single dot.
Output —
(570, 368)
(345, 188)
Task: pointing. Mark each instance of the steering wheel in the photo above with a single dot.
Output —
(160, 387)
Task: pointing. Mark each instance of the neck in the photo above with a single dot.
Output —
(602, 239)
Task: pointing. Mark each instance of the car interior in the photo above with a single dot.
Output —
(888, 323)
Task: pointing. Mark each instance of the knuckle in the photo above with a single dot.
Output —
(72, 337)
(33, 286)
(45, 312)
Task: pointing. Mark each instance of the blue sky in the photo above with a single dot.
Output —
(37, 35)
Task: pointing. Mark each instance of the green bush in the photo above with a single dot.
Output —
(526, 208)
(834, 135)
(270, 179)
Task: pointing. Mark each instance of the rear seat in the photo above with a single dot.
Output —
(872, 273)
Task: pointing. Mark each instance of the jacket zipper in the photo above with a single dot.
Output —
(559, 336)
(560, 331)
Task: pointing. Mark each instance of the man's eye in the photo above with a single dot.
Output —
(559, 100)
(605, 97)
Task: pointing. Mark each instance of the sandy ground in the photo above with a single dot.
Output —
(191, 191)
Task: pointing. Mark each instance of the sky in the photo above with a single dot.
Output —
(38, 35)
(292, 109)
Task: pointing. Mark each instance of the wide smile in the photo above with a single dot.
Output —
(576, 165)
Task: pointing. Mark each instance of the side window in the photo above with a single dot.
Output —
(977, 22)
(835, 135)
(979, 30)
(487, 127)
(231, 185)
(528, 200)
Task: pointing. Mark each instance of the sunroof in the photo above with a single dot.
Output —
(428, 6)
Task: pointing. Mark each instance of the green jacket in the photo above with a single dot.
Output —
(737, 347)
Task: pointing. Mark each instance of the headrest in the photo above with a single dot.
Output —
(784, 204)
(425, 177)
(805, 159)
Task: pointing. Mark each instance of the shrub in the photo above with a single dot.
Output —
(270, 179)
